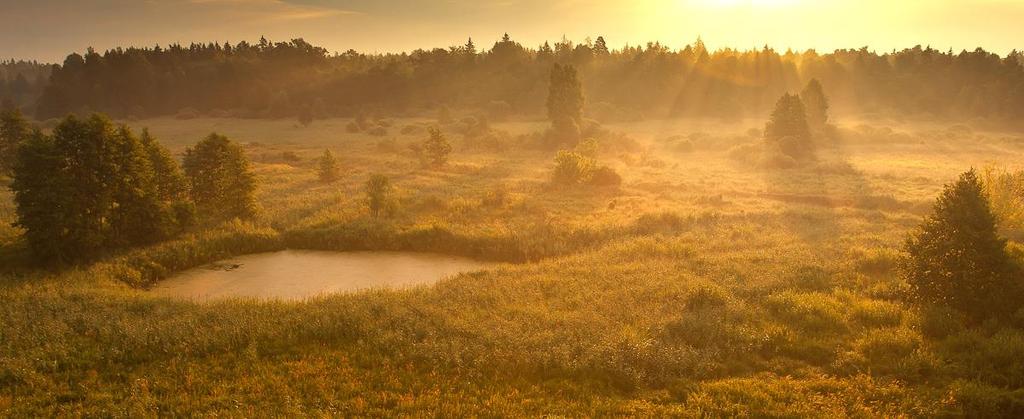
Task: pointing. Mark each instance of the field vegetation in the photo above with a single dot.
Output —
(712, 275)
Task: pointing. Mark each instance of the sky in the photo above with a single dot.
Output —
(48, 30)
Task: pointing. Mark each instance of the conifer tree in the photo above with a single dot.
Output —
(327, 169)
(958, 260)
(600, 46)
(437, 148)
(816, 105)
(787, 128)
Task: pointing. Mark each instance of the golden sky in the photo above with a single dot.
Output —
(48, 29)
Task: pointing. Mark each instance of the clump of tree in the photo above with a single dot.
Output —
(327, 167)
(957, 258)
(14, 129)
(787, 131)
(223, 184)
(816, 106)
(92, 186)
(380, 196)
(565, 105)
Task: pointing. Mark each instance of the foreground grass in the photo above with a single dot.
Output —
(769, 294)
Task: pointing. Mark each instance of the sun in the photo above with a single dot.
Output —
(747, 3)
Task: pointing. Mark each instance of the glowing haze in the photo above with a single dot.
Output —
(48, 29)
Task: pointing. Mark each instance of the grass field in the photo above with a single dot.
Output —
(705, 285)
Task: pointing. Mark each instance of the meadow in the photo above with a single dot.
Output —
(708, 284)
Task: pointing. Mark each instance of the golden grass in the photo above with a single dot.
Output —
(701, 287)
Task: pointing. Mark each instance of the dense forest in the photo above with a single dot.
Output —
(284, 79)
(22, 82)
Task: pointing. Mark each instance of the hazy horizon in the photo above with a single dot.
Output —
(49, 30)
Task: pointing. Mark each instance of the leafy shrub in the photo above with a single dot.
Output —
(572, 168)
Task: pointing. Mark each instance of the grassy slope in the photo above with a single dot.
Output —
(773, 294)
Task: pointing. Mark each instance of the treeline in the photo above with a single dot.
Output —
(286, 79)
(22, 82)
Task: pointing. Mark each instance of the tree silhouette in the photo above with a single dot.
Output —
(90, 186)
(957, 259)
(565, 103)
(787, 128)
(816, 105)
(327, 169)
(378, 195)
(223, 185)
(436, 148)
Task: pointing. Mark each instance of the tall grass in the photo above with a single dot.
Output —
(643, 301)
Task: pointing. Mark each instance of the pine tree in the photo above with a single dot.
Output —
(787, 128)
(816, 105)
(958, 260)
(223, 184)
(328, 167)
(436, 148)
(600, 46)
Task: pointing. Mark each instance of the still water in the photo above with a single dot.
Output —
(298, 274)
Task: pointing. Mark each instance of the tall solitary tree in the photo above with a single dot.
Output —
(565, 103)
(436, 148)
(328, 167)
(378, 195)
(787, 128)
(816, 105)
(958, 260)
(222, 181)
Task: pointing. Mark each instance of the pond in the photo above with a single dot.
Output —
(299, 274)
